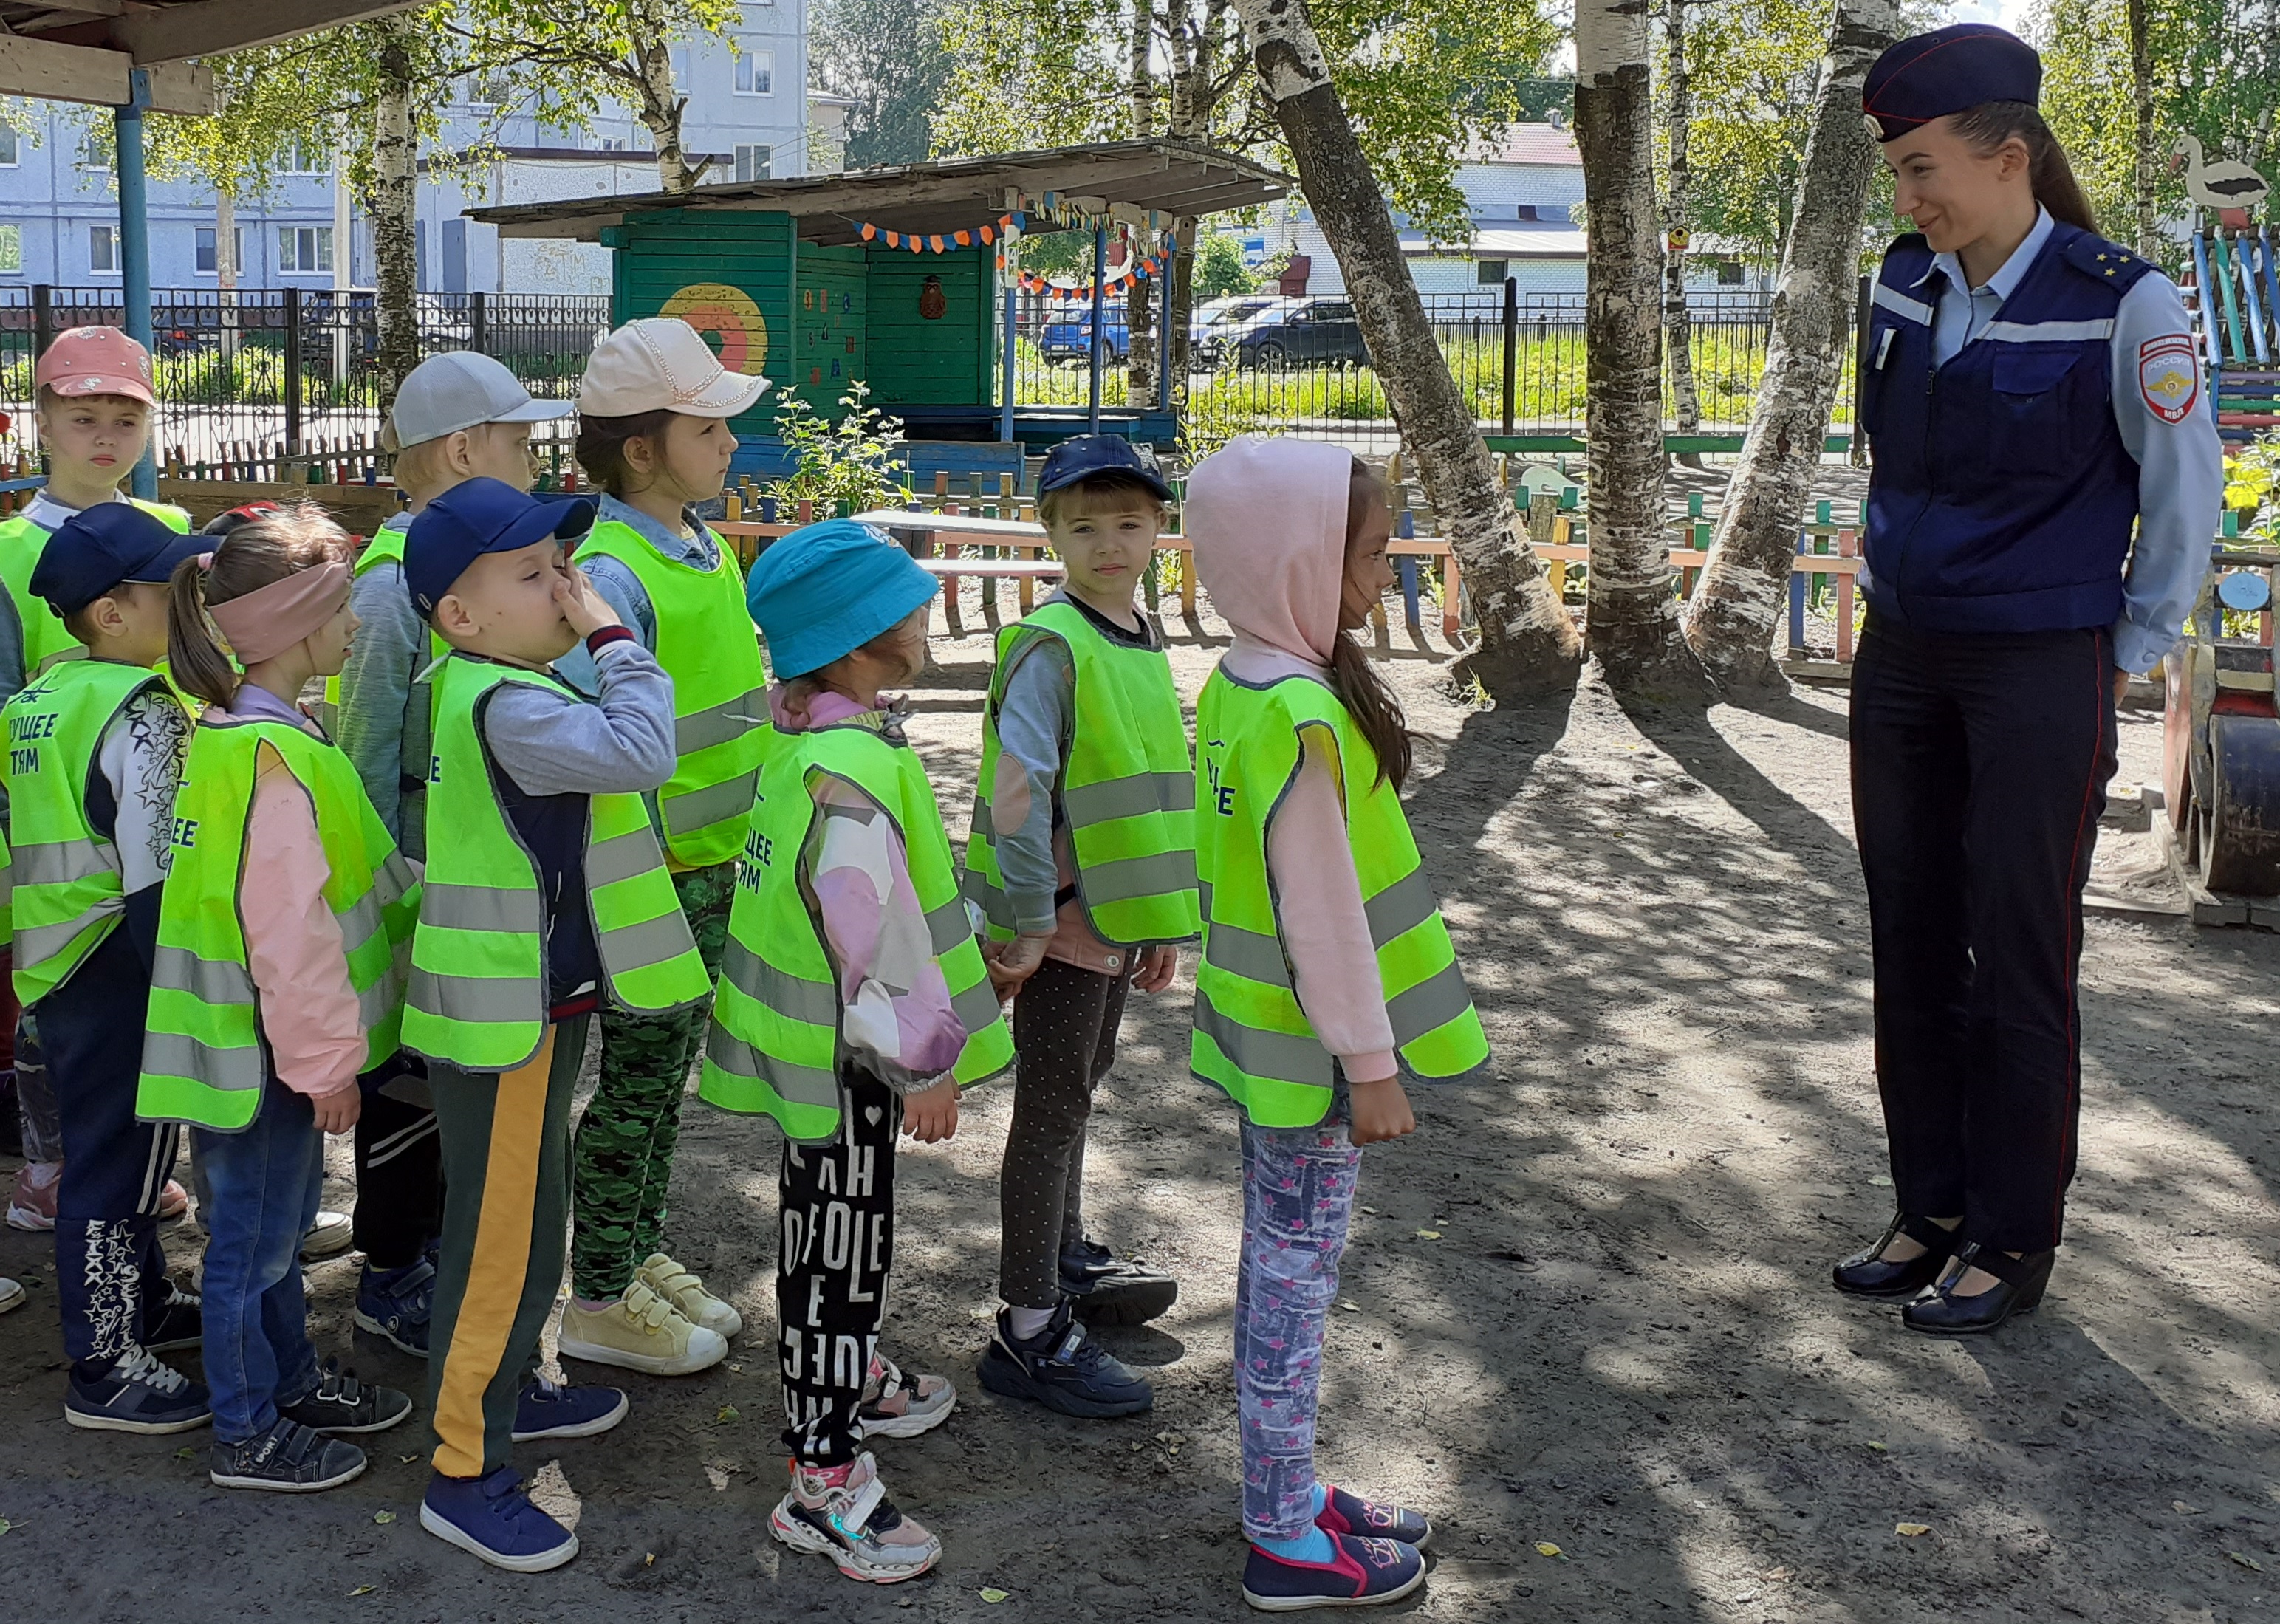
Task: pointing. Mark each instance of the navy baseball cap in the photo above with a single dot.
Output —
(1946, 71)
(474, 518)
(105, 546)
(1089, 455)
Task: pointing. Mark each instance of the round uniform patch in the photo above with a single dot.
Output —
(2169, 376)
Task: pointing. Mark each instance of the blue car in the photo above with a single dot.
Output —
(1072, 340)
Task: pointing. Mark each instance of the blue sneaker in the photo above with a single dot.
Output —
(396, 1303)
(139, 1394)
(1368, 1572)
(1062, 1369)
(550, 1410)
(1350, 1513)
(493, 1518)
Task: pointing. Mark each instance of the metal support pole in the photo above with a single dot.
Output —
(479, 324)
(1164, 397)
(292, 297)
(1010, 286)
(1511, 344)
(1099, 284)
(135, 251)
(1857, 446)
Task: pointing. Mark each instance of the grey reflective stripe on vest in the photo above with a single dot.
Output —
(2046, 332)
(815, 1004)
(637, 947)
(479, 1000)
(802, 1085)
(359, 920)
(724, 723)
(171, 1054)
(996, 907)
(1434, 1002)
(1278, 1057)
(395, 878)
(510, 909)
(1246, 953)
(1159, 875)
(950, 925)
(1129, 797)
(41, 942)
(978, 1006)
(1900, 304)
(1403, 905)
(701, 808)
(62, 862)
(376, 1001)
(209, 980)
(621, 856)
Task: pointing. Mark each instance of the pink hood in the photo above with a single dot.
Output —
(1267, 521)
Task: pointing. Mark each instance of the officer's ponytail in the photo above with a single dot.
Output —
(1353, 678)
(256, 554)
(1988, 125)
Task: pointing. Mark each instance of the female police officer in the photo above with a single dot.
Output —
(2032, 399)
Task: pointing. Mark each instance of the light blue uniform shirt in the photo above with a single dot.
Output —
(622, 589)
(2180, 466)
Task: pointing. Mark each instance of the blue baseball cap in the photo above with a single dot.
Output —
(827, 590)
(1089, 455)
(106, 545)
(477, 517)
(1947, 71)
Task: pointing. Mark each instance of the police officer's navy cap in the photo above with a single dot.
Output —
(1089, 455)
(106, 545)
(1946, 71)
(474, 518)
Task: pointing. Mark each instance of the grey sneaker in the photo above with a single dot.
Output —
(288, 1458)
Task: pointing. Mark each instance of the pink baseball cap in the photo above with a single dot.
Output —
(96, 361)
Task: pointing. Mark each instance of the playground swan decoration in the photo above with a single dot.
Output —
(2223, 184)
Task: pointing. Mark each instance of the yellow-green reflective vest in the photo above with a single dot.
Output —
(67, 894)
(21, 543)
(203, 1049)
(1128, 788)
(707, 645)
(1250, 1036)
(477, 998)
(7, 880)
(386, 547)
(774, 1043)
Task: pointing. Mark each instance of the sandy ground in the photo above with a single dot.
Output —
(1618, 1339)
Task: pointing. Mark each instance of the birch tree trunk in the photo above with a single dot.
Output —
(1632, 618)
(1744, 588)
(1526, 640)
(226, 268)
(1677, 323)
(394, 163)
(2145, 143)
(1140, 298)
(658, 104)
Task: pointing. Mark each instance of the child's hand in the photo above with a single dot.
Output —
(336, 1113)
(1154, 970)
(1012, 963)
(931, 1115)
(1380, 1111)
(587, 610)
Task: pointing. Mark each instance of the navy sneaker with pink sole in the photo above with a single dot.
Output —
(1368, 1572)
(1350, 1513)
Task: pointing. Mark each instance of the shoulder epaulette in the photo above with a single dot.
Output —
(2103, 262)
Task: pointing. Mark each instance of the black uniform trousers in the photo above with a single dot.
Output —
(1979, 770)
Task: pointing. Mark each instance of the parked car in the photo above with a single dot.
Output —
(1300, 331)
(1205, 321)
(1071, 340)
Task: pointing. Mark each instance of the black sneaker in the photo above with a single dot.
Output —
(1106, 1290)
(139, 1395)
(1062, 1370)
(178, 1322)
(288, 1458)
(341, 1403)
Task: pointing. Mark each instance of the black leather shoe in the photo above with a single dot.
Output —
(2018, 1288)
(1866, 1274)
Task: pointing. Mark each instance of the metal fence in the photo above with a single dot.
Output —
(249, 378)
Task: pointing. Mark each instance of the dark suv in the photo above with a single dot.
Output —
(1307, 331)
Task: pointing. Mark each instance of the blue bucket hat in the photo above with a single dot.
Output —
(827, 590)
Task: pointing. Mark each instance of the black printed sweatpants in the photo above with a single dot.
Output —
(835, 1249)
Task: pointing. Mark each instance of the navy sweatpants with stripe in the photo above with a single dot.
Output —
(1980, 763)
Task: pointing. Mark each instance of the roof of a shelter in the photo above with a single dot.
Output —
(84, 51)
(1551, 144)
(1171, 178)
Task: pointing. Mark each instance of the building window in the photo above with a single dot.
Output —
(752, 163)
(487, 90)
(756, 71)
(614, 143)
(1491, 272)
(306, 157)
(1729, 273)
(103, 248)
(304, 249)
(93, 153)
(205, 250)
(11, 249)
(8, 158)
(1523, 211)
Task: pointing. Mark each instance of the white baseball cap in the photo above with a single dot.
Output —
(459, 390)
(662, 364)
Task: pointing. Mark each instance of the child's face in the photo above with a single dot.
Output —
(896, 657)
(329, 643)
(1369, 572)
(127, 624)
(505, 606)
(687, 461)
(92, 439)
(1104, 547)
(500, 452)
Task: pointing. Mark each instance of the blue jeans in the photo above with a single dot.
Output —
(264, 1183)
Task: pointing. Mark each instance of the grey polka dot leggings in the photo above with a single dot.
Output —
(1065, 1022)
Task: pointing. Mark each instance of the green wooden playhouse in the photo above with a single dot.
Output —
(891, 276)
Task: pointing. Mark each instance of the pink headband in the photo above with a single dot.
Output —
(266, 621)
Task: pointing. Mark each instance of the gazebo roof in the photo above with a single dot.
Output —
(83, 50)
(1172, 177)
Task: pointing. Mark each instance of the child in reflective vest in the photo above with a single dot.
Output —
(284, 935)
(852, 1002)
(1082, 859)
(1325, 968)
(12, 1292)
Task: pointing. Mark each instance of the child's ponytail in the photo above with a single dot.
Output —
(1354, 678)
(256, 554)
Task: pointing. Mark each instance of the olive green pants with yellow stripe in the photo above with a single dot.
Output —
(506, 1203)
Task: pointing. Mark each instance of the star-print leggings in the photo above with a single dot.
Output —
(1298, 1199)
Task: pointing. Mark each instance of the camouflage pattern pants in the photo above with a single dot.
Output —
(621, 1160)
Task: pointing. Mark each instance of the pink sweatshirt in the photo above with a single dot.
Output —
(309, 1008)
(1268, 519)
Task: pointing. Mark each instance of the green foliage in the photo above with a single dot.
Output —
(875, 51)
(2252, 486)
(1220, 270)
(852, 461)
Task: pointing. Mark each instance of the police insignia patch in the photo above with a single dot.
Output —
(2168, 376)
